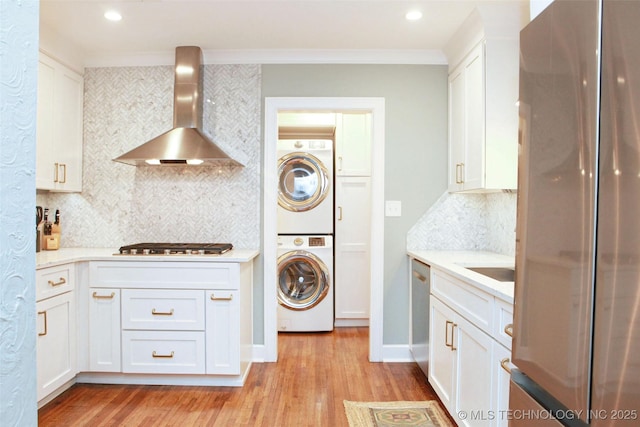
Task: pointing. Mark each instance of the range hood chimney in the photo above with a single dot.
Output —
(186, 143)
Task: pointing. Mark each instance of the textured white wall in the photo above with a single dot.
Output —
(121, 204)
(18, 76)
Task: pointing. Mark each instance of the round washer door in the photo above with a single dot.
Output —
(303, 182)
(303, 280)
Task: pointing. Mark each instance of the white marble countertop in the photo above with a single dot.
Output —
(66, 255)
(454, 263)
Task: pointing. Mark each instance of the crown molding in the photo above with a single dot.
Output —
(278, 56)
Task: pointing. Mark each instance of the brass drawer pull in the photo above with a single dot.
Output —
(508, 329)
(419, 276)
(162, 313)
(455, 325)
(61, 281)
(64, 174)
(41, 334)
(96, 296)
(505, 364)
(162, 356)
(339, 213)
(215, 298)
(55, 172)
(446, 333)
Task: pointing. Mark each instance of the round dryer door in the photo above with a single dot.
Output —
(303, 182)
(303, 280)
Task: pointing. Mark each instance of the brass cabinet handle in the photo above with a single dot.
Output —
(446, 333)
(96, 296)
(161, 313)
(340, 163)
(215, 298)
(64, 173)
(459, 173)
(62, 281)
(455, 325)
(55, 172)
(339, 213)
(419, 276)
(508, 329)
(41, 334)
(162, 356)
(504, 363)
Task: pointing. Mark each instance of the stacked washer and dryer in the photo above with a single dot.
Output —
(305, 235)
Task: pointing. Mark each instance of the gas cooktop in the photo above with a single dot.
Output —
(175, 249)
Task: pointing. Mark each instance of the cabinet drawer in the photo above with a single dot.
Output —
(473, 304)
(54, 281)
(161, 352)
(163, 309)
(503, 321)
(164, 274)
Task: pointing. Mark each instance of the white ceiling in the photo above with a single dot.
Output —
(302, 27)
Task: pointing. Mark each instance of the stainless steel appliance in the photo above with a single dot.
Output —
(420, 289)
(305, 291)
(577, 297)
(175, 249)
(186, 143)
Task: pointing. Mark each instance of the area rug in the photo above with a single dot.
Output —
(392, 414)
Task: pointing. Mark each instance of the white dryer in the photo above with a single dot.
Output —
(305, 289)
(305, 187)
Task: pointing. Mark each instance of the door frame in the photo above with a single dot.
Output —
(273, 105)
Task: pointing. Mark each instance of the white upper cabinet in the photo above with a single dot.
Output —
(353, 144)
(483, 112)
(59, 127)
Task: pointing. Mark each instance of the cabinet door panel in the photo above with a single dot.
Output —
(104, 330)
(474, 161)
(456, 129)
(473, 373)
(56, 344)
(44, 126)
(500, 384)
(223, 332)
(441, 356)
(352, 248)
(353, 144)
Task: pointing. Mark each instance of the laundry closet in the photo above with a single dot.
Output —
(324, 220)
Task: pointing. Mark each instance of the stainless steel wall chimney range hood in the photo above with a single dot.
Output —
(185, 144)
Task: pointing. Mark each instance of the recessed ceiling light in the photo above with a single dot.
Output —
(413, 15)
(113, 15)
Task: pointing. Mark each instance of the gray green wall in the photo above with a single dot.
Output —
(415, 153)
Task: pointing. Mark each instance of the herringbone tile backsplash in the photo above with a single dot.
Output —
(121, 204)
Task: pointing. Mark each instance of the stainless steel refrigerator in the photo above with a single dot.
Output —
(576, 342)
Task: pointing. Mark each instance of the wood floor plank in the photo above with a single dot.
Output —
(314, 374)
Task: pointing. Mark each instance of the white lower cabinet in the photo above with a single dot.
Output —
(502, 376)
(468, 361)
(104, 330)
(141, 322)
(223, 332)
(56, 344)
(460, 365)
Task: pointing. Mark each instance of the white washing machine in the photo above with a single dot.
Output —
(305, 288)
(305, 186)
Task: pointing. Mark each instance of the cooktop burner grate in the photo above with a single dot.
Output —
(176, 249)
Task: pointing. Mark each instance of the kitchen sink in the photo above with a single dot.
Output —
(501, 274)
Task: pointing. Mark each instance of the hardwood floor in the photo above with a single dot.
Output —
(315, 373)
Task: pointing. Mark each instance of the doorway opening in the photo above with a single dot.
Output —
(273, 106)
